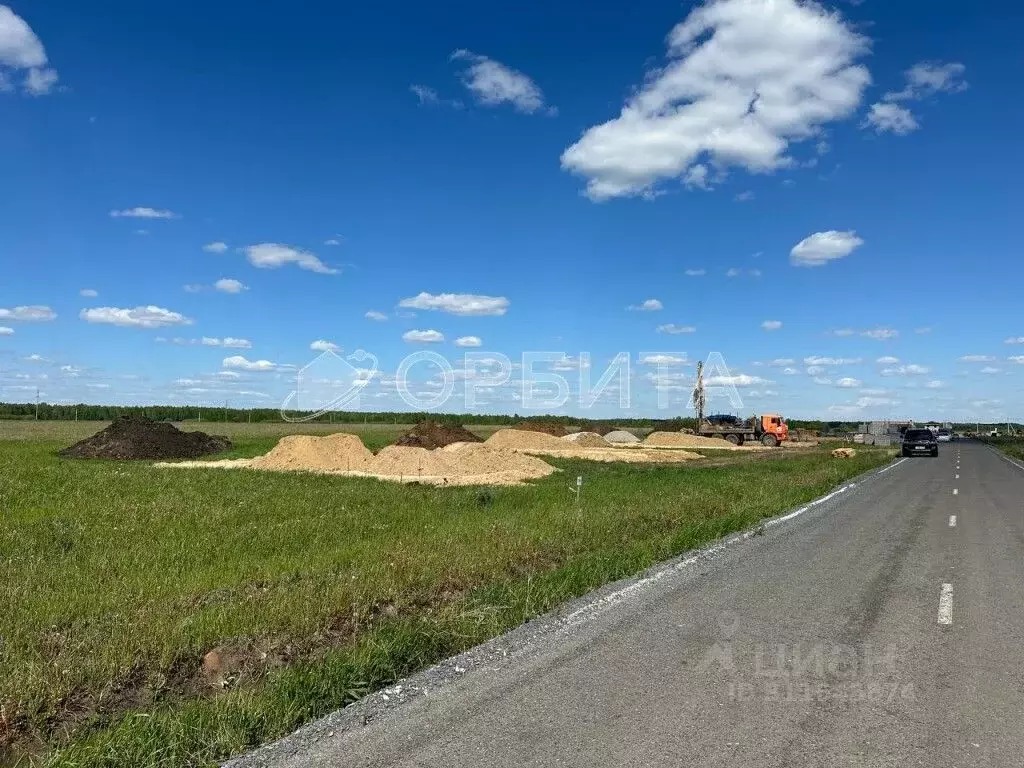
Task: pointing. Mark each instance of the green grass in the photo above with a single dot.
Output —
(118, 577)
(1011, 446)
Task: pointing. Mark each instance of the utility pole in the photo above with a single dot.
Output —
(698, 396)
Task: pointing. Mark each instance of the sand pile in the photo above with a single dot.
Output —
(344, 454)
(431, 435)
(679, 440)
(136, 437)
(402, 460)
(547, 427)
(340, 451)
(547, 445)
(622, 437)
(587, 440)
(520, 439)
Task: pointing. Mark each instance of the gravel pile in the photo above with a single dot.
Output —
(587, 440)
(622, 437)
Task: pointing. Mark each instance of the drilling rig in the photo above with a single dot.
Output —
(769, 429)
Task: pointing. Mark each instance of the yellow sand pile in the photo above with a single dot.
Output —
(308, 453)
(680, 440)
(344, 454)
(587, 440)
(539, 444)
(522, 439)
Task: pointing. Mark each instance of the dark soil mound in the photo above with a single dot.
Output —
(136, 437)
(431, 435)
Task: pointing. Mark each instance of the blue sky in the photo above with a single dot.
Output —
(805, 189)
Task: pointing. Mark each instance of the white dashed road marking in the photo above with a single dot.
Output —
(946, 605)
(952, 521)
(956, 491)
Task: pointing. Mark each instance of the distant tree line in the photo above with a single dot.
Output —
(179, 413)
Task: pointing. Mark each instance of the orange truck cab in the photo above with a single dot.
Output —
(773, 424)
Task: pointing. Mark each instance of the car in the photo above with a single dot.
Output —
(920, 442)
(944, 435)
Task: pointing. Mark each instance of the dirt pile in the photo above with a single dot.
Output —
(621, 437)
(587, 440)
(679, 440)
(520, 440)
(844, 453)
(340, 451)
(136, 437)
(431, 435)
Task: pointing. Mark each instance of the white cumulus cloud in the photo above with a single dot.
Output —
(5, 331)
(880, 334)
(977, 359)
(468, 341)
(229, 285)
(322, 345)
(423, 337)
(139, 317)
(217, 247)
(696, 272)
(928, 78)
(240, 363)
(36, 313)
(816, 360)
(494, 83)
(735, 380)
(88, 293)
(663, 360)
(822, 247)
(144, 213)
(887, 360)
(466, 304)
(848, 382)
(21, 49)
(374, 315)
(890, 118)
(228, 342)
(674, 329)
(907, 370)
(275, 255)
(648, 305)
(744, 79)
(923, 80)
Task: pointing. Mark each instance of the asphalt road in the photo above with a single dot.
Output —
(868, 630)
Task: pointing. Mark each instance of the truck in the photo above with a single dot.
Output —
(769, 429)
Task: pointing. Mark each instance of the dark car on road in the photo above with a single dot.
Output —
(920, 442)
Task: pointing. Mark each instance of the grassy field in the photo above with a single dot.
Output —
(1011, 446)
(312, 590)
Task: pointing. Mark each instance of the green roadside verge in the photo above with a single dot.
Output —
(310, 590)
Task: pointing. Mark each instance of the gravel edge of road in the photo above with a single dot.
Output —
(388, 701)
